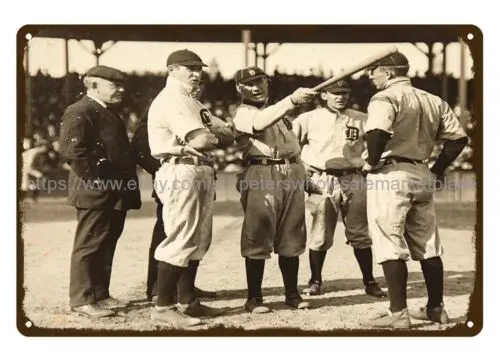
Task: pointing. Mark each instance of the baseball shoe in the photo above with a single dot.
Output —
(92, 311)
(111, 303)
(374, 289)
(296, 302)
(174, 317)
(256, 306)
(196, 309)
(437, 314)
(313, 288)
(200, 293)
(388, 319)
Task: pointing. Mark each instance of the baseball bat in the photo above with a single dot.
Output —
(356, 68)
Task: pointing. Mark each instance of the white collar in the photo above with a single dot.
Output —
(174, 84)
(97, 100)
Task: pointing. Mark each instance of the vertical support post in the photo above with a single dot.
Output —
(66, 56)
(256, 53)
(444, 78)
(462, 89)
(264, 57)
(246, 36)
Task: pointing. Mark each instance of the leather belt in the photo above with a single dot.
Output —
(271, 161)
(404, 159)
(331, 172)
(186, 160)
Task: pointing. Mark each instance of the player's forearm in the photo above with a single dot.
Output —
(376, 141)
(451, 150)
(202, 140)
(272, 114)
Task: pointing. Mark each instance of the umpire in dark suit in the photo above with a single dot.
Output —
(102, 186)
(150, 164)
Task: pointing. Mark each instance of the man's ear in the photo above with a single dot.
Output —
(170, 69)
(324, 96)
(238, 87)
(390, 73)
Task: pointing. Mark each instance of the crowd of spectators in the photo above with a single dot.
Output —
(50, 96)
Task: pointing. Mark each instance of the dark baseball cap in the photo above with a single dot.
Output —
(105, 72)
(247, 74)
(340, 86)
(398, 60)
(185, 57)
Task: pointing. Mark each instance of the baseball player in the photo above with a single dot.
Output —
(404, 123)
(332, 143)
(271, 186)
(181, 132)
(150, 164)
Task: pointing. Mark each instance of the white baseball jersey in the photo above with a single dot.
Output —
(329, 134)
(173, 115)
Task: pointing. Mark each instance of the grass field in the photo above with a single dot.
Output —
(48, 229)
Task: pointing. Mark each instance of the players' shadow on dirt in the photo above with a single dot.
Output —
(455, 283)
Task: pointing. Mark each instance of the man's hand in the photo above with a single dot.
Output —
(367, 168)
(439, 182)
(303, 95)
(224, 133)
(190, 151)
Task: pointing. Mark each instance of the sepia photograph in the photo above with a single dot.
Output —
(249, 180)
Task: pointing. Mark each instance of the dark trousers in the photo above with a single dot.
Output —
(157, 237)
(94, 247)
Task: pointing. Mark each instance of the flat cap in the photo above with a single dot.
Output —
(395, 60)
(247, 74)
(340, 86)
(185, 57)
(104, 72)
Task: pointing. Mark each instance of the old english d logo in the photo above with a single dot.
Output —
(205, 117)
(351, 133)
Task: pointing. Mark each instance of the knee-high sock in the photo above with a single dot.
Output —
(396, 276)
(433, 275)
(289, 267)
(168, 276)
(255, 273)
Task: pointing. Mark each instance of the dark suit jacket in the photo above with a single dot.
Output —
(94, 142)
(142, 152)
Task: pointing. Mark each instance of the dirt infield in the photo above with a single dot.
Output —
(47, 248)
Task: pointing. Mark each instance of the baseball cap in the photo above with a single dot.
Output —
(247, 74)
(185, 57)
(108, 73)
(398, 60)
(340, 86)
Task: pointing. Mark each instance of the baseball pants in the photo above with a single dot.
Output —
(272, 197)
(187, 195)
(345, 195)
(401, 213)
